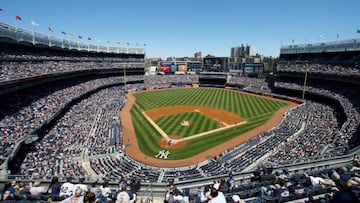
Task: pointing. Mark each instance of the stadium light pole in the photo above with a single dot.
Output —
(305, 80)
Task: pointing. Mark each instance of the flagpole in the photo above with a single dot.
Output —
(16, 30)
(49, 37)
(33, 32)
(98, 42)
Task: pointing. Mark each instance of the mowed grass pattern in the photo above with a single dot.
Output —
(199, 123)
(256, 110)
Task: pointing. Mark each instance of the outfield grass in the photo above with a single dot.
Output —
(255, 110)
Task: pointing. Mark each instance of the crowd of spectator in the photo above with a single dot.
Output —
(349, 100)
(320, 68)
(309, 131)
(154, 80)
(85, 125)
(328, 185)
(70, 191)
(257, 85)
(16, 70)
(319, 130)
(22, 62)
(116, 167)
(16, 125)
(75, 138)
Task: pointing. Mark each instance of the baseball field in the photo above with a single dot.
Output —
(182, 126)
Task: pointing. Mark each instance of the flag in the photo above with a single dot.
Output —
(62, 32)
(80, 37)
(89, 38)
(118, 42)
(17, 17)
(70, 34)
(144, 44)
(137, 44)
(128, 43)
(293, 40)
(108, 41)
(337, 36)
(50, 30)
(34, 23)
(1, 9)
(358, 31)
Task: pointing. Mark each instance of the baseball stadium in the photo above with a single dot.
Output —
(89, 114)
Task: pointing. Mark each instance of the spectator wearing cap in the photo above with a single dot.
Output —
(236, 199)
(230, 182)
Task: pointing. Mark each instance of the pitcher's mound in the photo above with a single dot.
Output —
(173, 143)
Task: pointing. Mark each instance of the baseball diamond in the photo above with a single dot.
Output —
(152, 123)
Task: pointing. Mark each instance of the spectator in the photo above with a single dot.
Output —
(81, 185)
(125, 196)
(203, 195)
(89, 197)
(236, 199)
(173, 194)
(344, 197)
(36, 189)
(106, 190)
(8, 190)
(67, 189)
(216, 196)
(53, 190)
(135, 185)
(281, 190)
(75, 198)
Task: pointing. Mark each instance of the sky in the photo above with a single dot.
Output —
(167, 28)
